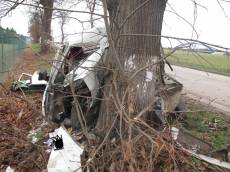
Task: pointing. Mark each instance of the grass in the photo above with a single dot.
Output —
(45, 61)
(208, 126)
(36, 47)
(216, 63)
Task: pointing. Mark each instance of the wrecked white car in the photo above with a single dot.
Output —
(75, 72)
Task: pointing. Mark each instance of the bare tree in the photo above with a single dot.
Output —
(46, 24)
(7, 6)
(35, 26)
(63, 17)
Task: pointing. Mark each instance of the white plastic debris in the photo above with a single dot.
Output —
(174, 132)
(33, 135)
(9, 169)
(34, 139)
(48, 142)
(149, 76)
(67, 159)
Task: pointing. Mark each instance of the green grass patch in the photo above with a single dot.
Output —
(216, 63)
(36, 47)
(45, 61)
(209, 127)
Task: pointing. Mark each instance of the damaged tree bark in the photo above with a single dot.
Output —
(132, 91)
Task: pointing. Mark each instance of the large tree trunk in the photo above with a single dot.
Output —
(46, 24)
(132, 22)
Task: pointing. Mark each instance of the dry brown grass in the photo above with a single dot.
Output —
(20, 113)
(146, 150)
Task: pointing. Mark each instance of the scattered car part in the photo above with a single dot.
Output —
(223, 153)
(210, 160)
(67, 159)
(28, 82)
(205, 158)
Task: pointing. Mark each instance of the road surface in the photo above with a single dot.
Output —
(209, 88)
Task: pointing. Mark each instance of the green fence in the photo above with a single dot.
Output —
(10, 47)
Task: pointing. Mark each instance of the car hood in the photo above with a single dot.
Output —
(86, 68)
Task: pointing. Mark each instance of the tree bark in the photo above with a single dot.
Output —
(134, 88)
(46, 24)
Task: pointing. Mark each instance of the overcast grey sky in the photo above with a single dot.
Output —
(211, 25)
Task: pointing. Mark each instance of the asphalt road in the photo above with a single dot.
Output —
(206, 87)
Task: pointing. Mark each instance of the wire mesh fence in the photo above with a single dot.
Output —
(11, 45)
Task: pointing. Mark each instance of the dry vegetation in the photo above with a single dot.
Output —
(145, 150)
(20, 113)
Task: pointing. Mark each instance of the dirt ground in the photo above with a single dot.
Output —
(19, 114)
